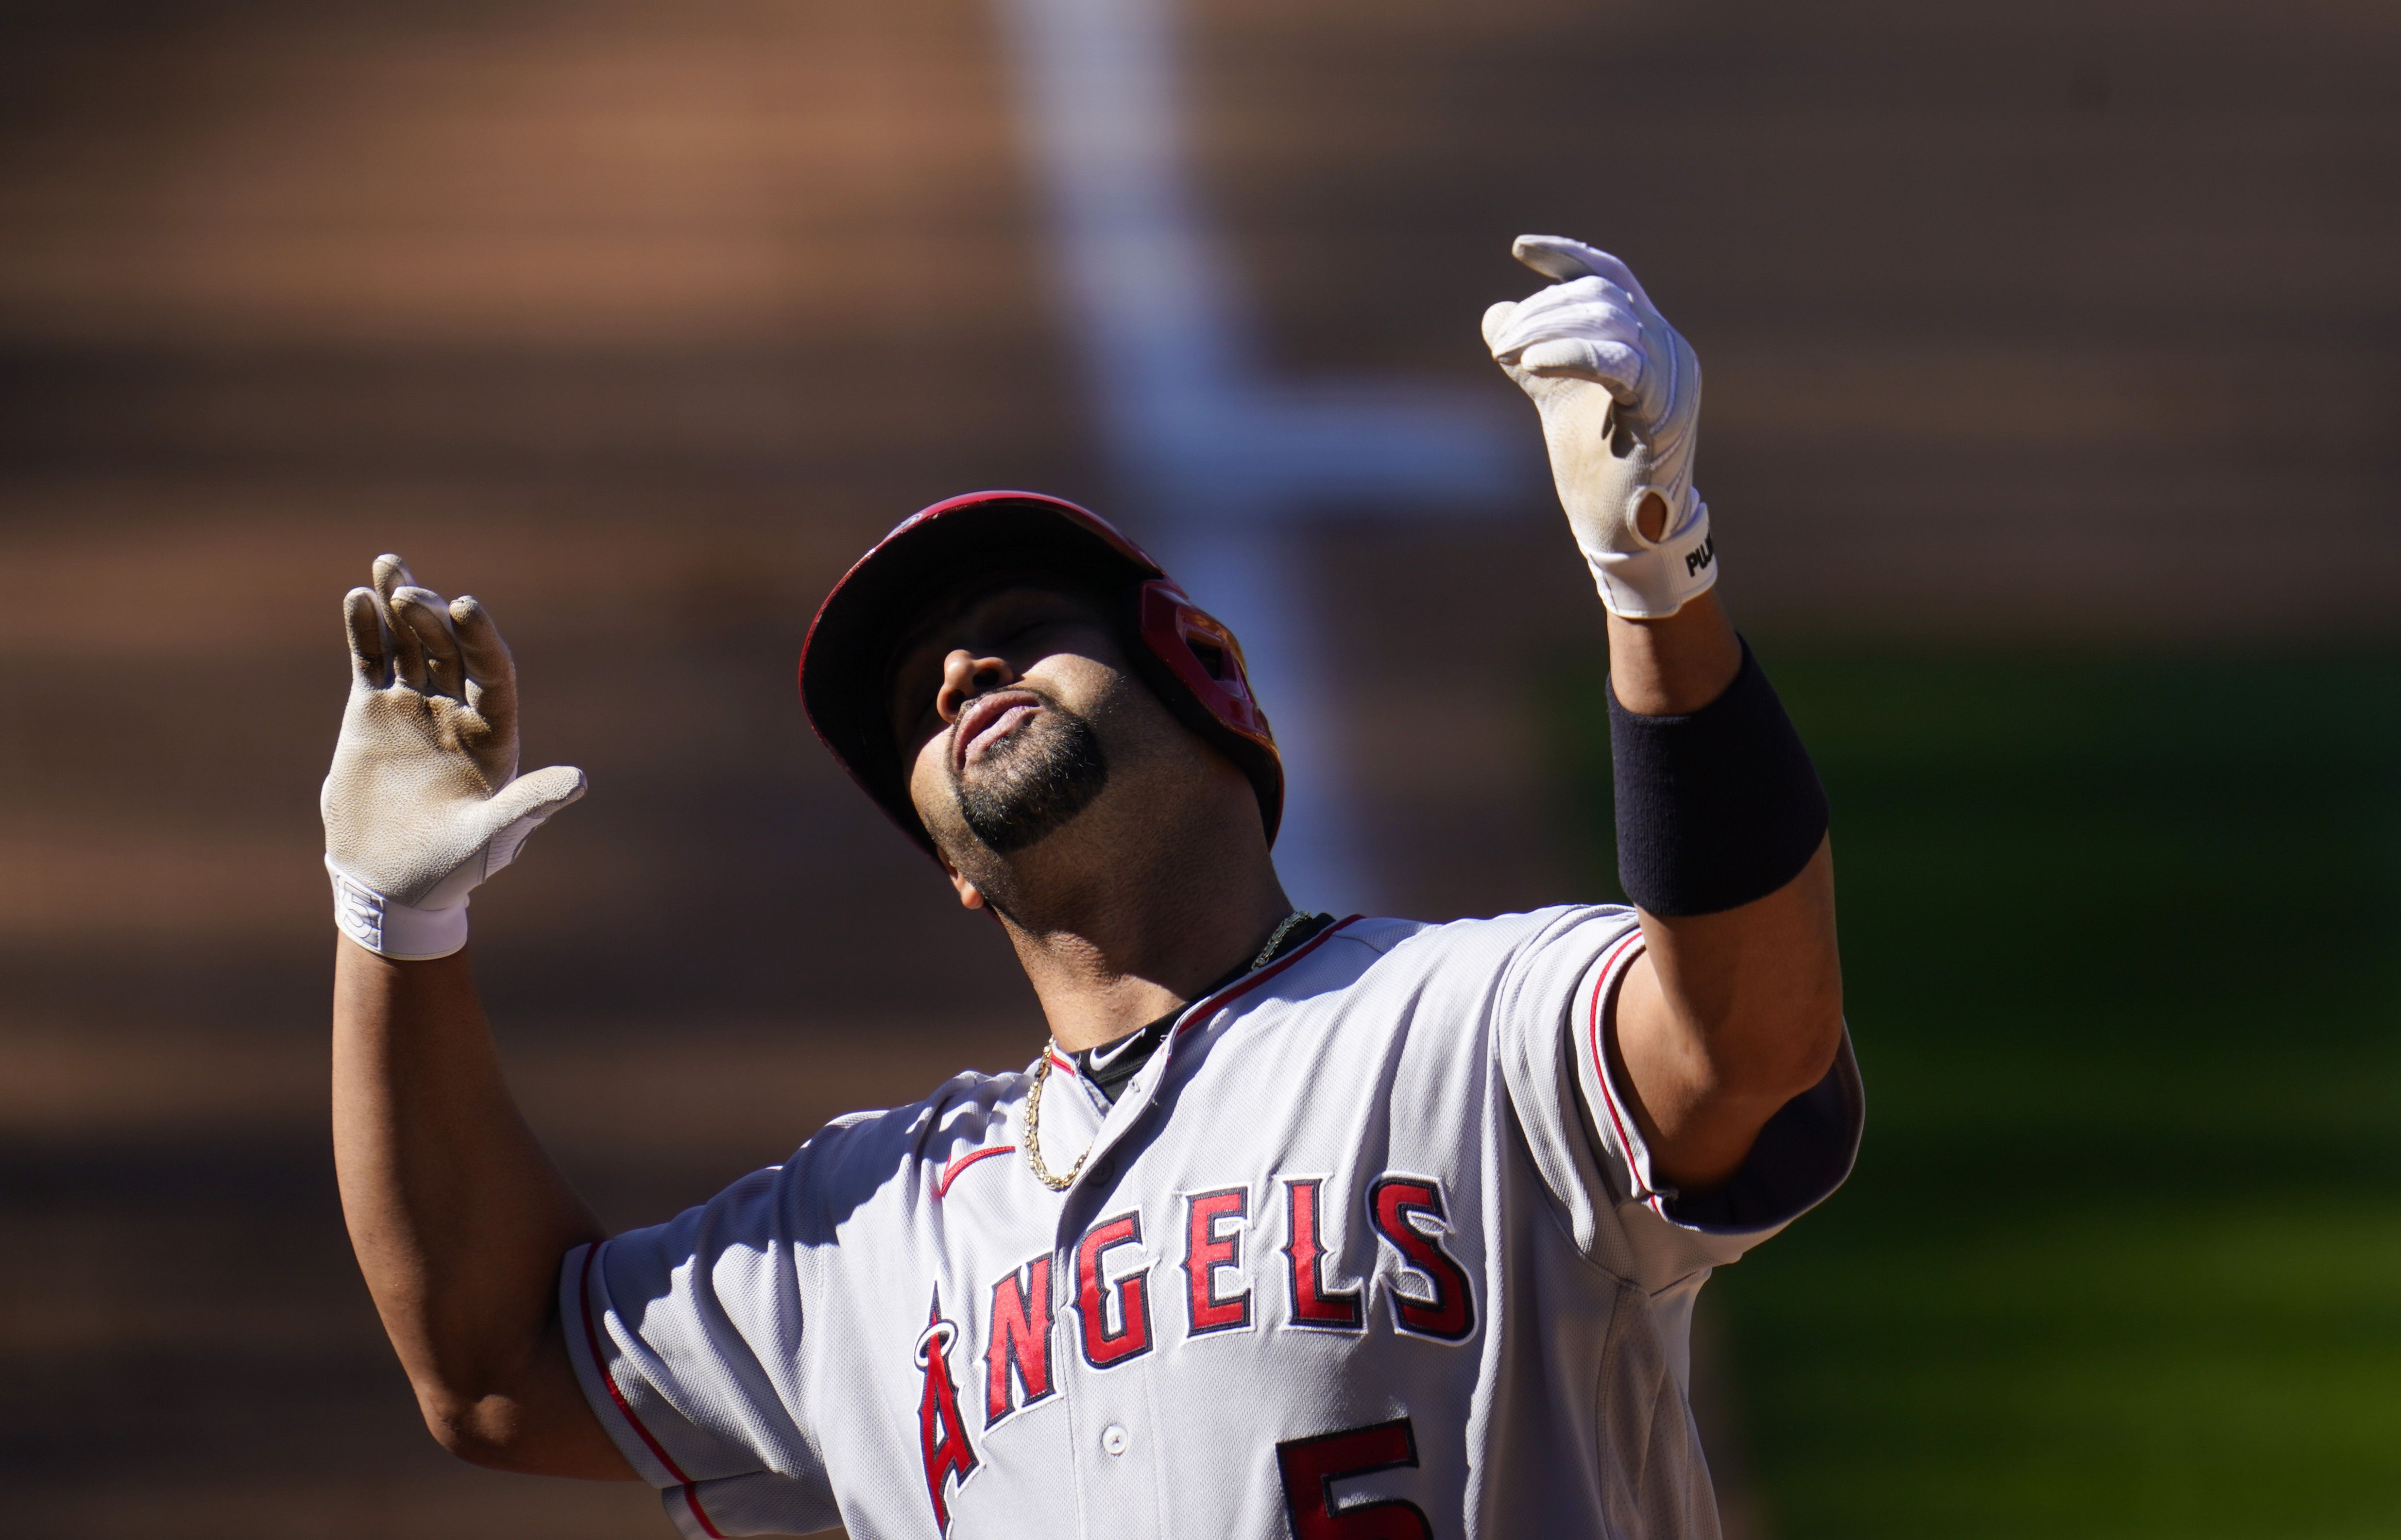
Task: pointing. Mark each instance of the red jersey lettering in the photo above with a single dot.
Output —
(1103, 1346)
(1019, 1344)
(1314, 1303)
(1394, 1203)
(1207, 1248)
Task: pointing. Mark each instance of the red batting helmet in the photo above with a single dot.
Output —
(1190, 660)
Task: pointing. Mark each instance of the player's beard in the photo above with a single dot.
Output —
(1025, 786)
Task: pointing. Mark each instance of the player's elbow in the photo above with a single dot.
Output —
(534, 1423)
(1811, 1045)
(478, 1429)
(1791, 1041)
(504, 1426)
(1775, 1031)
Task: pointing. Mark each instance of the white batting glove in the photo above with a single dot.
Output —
(1620, 397)
(424, 801)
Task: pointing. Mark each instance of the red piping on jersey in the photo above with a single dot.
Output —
(591, 1341)
(1601, 1064)
(1252, 981)
(1057, 1063)
(951, 1172)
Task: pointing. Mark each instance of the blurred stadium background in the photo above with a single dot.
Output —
(2054, 361)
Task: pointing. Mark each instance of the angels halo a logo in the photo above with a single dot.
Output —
(940, 1431)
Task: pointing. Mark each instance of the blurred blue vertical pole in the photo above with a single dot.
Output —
(1221, 465)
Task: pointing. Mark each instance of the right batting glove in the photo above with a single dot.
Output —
(1620, 397)
(424, 801)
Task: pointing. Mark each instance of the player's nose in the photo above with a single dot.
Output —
(965, 676)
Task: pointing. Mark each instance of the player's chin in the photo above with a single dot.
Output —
(1031, 785)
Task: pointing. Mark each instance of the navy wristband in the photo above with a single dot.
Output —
(1716, 807)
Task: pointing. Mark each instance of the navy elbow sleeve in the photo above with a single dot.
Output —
(1715, 807)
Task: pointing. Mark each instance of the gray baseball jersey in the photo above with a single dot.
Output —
(1369, 1249)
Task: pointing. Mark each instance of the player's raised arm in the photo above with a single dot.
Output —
(1735, 1007)
(459, 1218)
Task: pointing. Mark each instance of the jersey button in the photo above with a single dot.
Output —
(1112, 1439)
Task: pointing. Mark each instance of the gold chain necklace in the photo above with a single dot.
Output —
(1042, 1073)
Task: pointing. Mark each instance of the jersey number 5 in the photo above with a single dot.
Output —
(1310, 1468)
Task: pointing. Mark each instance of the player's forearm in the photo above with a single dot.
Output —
(1757, 981)
(1732, 1011)
(1677, 664)
(458, 1216)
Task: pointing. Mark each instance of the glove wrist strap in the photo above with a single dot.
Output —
(1657, 581)
(394, 930)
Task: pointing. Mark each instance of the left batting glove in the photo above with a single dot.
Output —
(424, 801)
(1620, 397)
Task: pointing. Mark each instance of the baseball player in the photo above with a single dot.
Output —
(1331, 1229)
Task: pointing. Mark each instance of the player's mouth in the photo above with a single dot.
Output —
(987, 720)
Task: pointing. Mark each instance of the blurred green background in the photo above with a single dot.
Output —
(2122, 1253)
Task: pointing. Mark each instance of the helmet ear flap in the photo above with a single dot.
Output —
(1211, 686)
(1205, 658)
